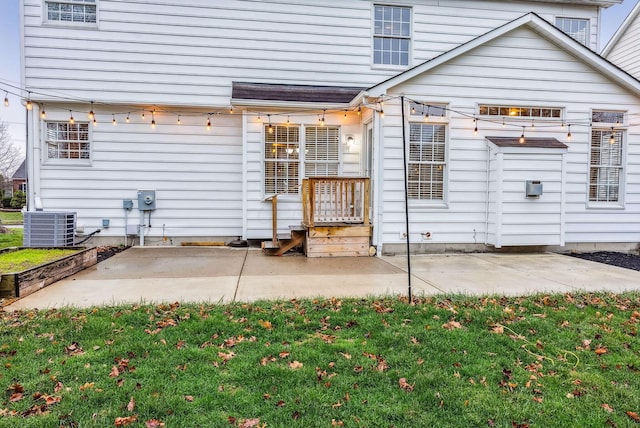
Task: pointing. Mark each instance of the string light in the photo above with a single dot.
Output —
(270, 128)
(95, 122)
(612, 139)
(521, 140)
(475, 129)
(322, 120)
(143, 114)
(426, 115)
(569, 133)
(91, 115)
(533, 124)
(503, 124)
(359, 111)
(153, 118)
(29, 103)
(127, 118)
(345, 114)
(381, 113)
(231, 110)
(209, 123)
(6, 99)
(71, 120)
(114, 122)
(413, 109)
(179, 121)
(43, 113)
(289, 123)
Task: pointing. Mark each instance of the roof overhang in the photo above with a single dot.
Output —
(600, 3)
(537, 24)
(285, 95)
(529, 143)
(621, 30)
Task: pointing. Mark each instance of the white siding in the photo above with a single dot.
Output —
(188, 53)
(197, 174)
(626, 51)
(502, 72)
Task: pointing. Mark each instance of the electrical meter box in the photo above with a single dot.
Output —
(146, 200)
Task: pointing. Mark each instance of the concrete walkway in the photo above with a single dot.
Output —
(210, 274)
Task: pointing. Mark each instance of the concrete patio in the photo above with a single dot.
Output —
(215, 274)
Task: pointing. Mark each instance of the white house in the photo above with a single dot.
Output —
(624, 47)
(509, 128)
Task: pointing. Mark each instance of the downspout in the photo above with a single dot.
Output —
(486, 211)
(406, 196)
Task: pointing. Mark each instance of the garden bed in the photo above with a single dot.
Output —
(28, 281)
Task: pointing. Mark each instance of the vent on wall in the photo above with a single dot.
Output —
(49, 229)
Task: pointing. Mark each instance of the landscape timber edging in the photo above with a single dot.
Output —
(21, 284)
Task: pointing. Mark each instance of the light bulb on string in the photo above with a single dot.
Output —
(153, 119)
(29, 103)
(43, 113)
(562, 126)
(179, 121)
(231, 110)
(521, 140)
(270, 127)
(503, 124)
(381, 113)
(6, 99)
(533, 124)
(91, 114)
(142, 114)
(127, 118)
(426, 115)
(413, 109)
(569, 133)
(71, 120)
(475, 129)
(612, 138)
(288, 122)
(345, 114)
(114, 122)
(95, 122)
(359, 111)
(209, 123)
(322, 121)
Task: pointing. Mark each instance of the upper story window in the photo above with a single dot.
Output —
(577, 28)
(71, 11)
(67, 140)
(521, 112)
(391, 35)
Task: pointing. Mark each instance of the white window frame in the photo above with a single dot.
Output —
(521, 112)
(609, 170)
(432, 120)
(73, 3)
(398, 38)
(565, 24)
(68, 160)
(287, 153)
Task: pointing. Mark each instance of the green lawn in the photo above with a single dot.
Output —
(543, 361)
(10, 217)
(11, 239)
(17, 261)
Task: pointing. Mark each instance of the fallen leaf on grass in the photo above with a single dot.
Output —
(16, 396)
(451, 325)
(600, 351)
(114, 372)
(249, 423)
(294, 365)
(153, 423)
(405, 385)
(607, 407)
(335, 423)
(131, 405)
(265, 324)
(634, 416)
(498, 329)
(188, 398)
(73, 349)
(124, 421)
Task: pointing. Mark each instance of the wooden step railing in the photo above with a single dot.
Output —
(335, 200)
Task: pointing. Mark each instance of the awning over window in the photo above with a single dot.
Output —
(536, 142)
(293, 93)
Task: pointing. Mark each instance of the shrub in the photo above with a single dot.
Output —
(6, 201)
(19, 199)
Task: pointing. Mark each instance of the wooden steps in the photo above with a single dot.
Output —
(343, 240)
(284, 242)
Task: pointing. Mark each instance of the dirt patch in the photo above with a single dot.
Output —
(104, 252)
(623, 260)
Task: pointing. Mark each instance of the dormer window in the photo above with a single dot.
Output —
(577, 28)
(391, 35)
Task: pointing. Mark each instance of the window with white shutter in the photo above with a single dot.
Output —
(607, 157)
(427, 161)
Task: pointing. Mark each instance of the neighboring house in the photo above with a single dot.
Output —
(624, 47)
(19, 178)
(511, 130)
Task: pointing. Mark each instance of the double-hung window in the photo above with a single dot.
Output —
(282, 159)
(577, 28)
(607, 157)
(68, 141)
(71, 11)
(391, 35)
(427, 162)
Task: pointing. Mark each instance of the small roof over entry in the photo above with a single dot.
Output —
(247, 91)
(530, 142)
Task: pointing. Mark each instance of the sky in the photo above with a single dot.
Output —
(14, 115)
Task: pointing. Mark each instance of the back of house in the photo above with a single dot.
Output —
(455, 124)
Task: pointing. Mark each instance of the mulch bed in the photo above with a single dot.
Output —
(623, 260)
(104, 252)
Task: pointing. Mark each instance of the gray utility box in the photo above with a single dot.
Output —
(533, 188)
(49, 229)
(146, 200)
